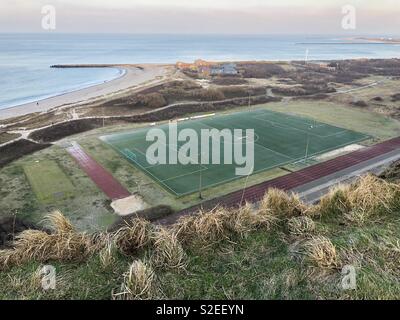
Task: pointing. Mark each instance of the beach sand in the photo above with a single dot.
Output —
(132, 77)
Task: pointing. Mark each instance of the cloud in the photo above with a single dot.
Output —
(200, 16)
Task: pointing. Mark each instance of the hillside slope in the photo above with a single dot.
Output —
(280, 249)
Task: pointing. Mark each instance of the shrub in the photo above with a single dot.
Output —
(360, 103)
(229, 81)
(261, 70)
(396, 97)
(152, 100)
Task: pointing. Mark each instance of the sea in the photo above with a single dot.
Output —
(25, 59)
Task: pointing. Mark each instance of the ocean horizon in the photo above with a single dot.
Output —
(25, 59)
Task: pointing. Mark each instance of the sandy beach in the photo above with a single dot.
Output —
(133, 76)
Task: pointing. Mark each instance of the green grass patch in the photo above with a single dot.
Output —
(48, 181)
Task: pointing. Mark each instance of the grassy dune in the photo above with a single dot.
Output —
(279, 249)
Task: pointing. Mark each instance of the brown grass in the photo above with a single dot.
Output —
(362, 201)
(301, 226)
(135, 235)
(320, 251)
(334, 202)
(107, 253)
(247, 219)
(138, 284)
(62, 244)
(203, 227)
(279, 203)
(168, 252)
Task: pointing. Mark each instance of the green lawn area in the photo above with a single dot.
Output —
(380, 126)
(48, 181)
(280, 139)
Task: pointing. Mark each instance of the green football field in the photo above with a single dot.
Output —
(280, 139)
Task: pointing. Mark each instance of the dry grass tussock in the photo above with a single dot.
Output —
(221, 224)
(247, 219)
(135, 235)
(301, 226)
(203, 227)
(320, 251)
(107, 253)
(367, 198)
(62, 244)
(281, 204)
(139, 283)
(168, 252)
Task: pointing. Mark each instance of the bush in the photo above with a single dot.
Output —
(207, 94)
(360, 103)
(396, 97)
(229, 81)
(152, 100)
(261, 70)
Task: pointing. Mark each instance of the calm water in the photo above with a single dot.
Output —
(25, 75)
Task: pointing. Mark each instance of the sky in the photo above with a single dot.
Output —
(202, 16)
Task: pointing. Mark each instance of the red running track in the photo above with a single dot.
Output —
(292, 180)
(100, 176)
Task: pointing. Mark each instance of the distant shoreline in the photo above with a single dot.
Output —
(131, 75)
(134, 75)
(40, 98)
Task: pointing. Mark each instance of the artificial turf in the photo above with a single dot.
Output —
(280, 139)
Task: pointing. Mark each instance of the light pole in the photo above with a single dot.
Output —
(200, 195)
(199, 155)
(308, 142)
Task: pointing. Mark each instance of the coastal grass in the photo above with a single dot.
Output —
(363, 201)
(7, 137)
(138, 284)
(302, 226)
(247, 256)
(61, 243)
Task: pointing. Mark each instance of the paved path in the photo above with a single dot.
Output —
(314, 178)
(100, 176)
